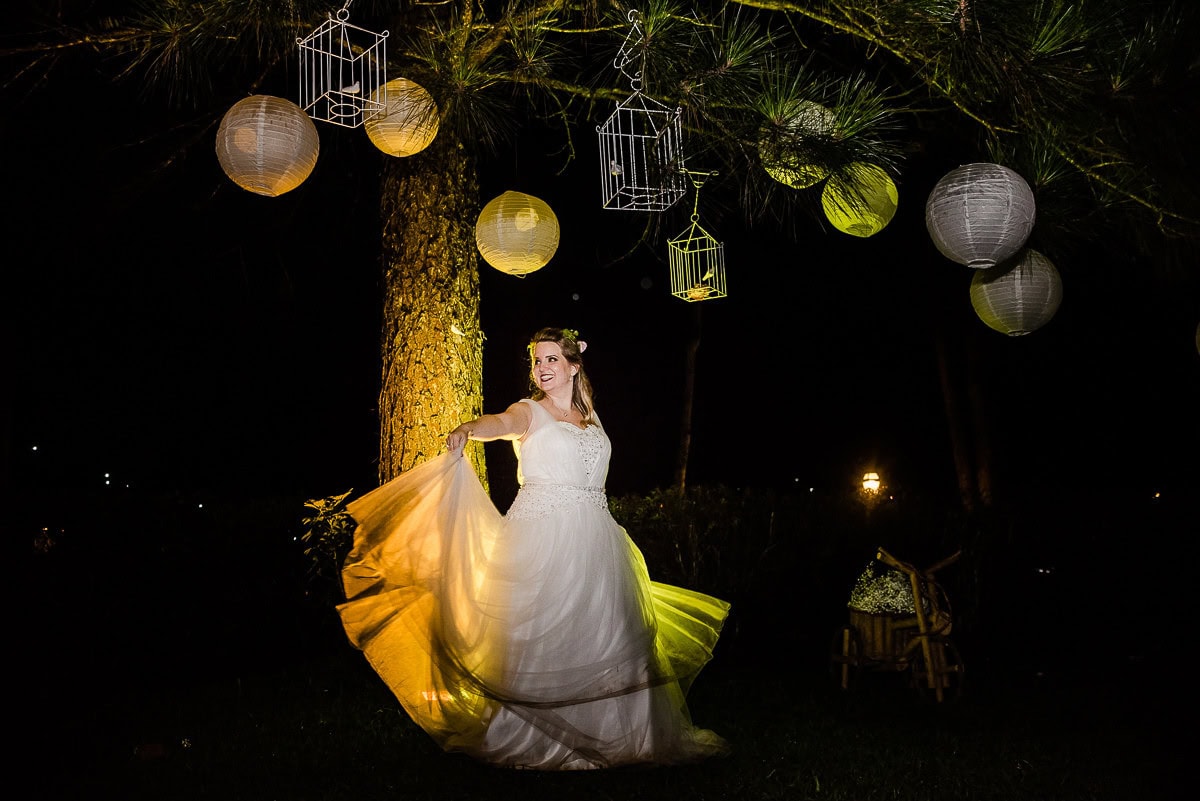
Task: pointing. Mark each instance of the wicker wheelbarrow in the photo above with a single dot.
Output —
(917, 643)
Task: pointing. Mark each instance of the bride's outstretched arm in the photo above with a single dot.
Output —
(509, 424)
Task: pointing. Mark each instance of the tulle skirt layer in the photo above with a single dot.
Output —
(534, 640)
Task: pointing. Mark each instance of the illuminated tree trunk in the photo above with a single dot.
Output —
(432, 347)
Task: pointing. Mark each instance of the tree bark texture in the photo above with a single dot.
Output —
(957, 430)
(979, 425)
(689, 394)
(432, 346)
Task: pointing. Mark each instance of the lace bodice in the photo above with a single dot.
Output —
(591, 442)
(559, 464)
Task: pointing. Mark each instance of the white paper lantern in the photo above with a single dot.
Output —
(787, 162)
(267, 145)
(863, 202)
(1019, 296)
(517, 233)
(409, 121)
(980, 214)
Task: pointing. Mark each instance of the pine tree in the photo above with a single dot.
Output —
(1092, 102)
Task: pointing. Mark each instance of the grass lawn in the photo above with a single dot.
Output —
(324, 727)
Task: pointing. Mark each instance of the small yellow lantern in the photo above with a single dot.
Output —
(409, 121)
(267, 145)
(860, 202)
(517, 233)
(782, 153)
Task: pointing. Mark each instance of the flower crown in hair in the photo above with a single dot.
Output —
(571, 335)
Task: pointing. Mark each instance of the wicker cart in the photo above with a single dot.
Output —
(918, 643)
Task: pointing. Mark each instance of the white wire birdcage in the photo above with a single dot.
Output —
(343, 69)
(697, 260)
(641, 155)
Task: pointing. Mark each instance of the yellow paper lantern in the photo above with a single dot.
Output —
(517, 233)
(1018, 296)
(862, 201)
(267, 145)
(409, 121)
(783, 159)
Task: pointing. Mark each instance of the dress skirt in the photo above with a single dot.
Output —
(534, 639)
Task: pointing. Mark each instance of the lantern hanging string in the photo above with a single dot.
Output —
(698, 177)
(630, 50)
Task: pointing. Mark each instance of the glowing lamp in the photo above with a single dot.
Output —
(267, 145)
(517, 233)
(782, 152)
(862, 201)
(1017, 297)
(871, 482)
(980, 214)
(409, 121)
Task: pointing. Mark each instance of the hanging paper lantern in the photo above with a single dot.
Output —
(267, 145)
(1019, 296)
(409, 121)
(862, 202)
(784, 160)
(980, 214)
(517, 233)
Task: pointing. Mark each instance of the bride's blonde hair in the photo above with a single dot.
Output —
(572, 348)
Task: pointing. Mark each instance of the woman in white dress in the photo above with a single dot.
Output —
(533, 639)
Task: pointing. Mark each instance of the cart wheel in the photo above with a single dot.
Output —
(948, 671)
(845, 657)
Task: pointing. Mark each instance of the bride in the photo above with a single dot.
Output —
(533, 639)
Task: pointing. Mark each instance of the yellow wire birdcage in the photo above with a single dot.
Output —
(697, 260)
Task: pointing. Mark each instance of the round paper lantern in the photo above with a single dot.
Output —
(1019, 296)
(267, 145)
(517, 233)
(409, 121)
(980, 214)
(862, 202)
(788, 164)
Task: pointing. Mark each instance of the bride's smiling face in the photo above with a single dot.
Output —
(551, 370)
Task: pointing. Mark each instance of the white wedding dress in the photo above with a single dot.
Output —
(533, 639)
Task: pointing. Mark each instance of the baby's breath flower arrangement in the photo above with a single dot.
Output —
(882, 590)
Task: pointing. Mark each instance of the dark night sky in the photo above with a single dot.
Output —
(176, 331)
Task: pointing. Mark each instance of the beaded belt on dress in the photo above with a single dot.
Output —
(540, 500)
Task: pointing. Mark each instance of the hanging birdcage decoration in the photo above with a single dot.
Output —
(697, 260)
(343, 69)
(641, 156)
